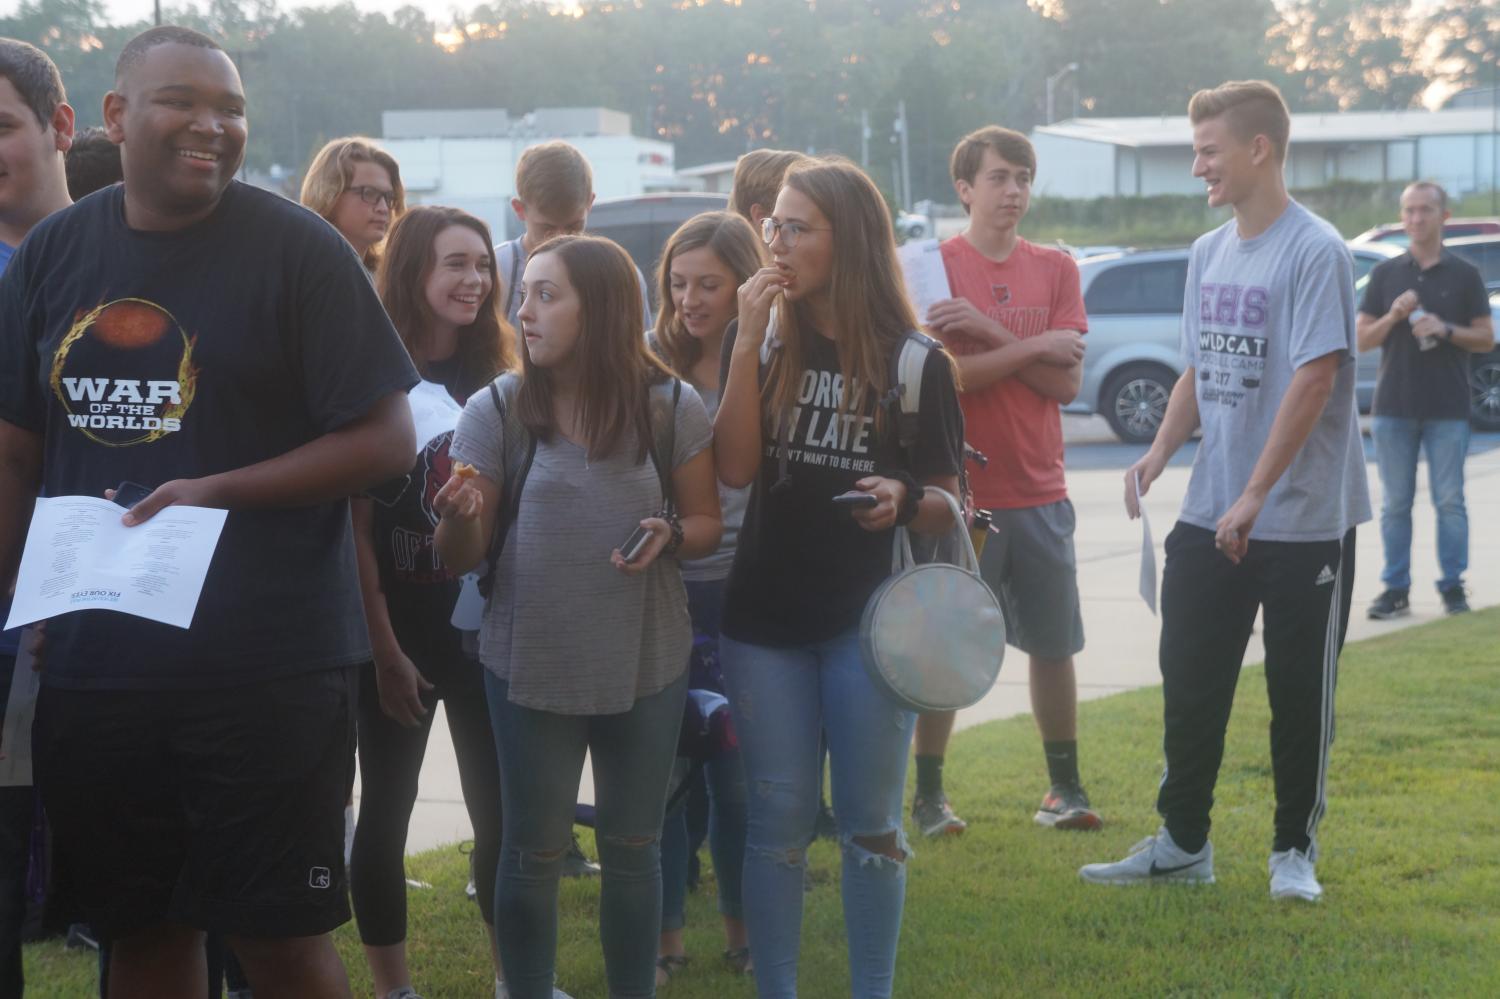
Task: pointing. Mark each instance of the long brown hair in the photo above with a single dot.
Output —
(730, 238)
(487, 346)
(332, 171)
(868, 306)
(615, 368)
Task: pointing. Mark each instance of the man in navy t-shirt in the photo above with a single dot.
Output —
(224, 347)
(36, 128)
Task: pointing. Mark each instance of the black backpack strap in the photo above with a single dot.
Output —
(517, 465)
(663, 446)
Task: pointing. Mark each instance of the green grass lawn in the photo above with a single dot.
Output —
(1411, 864)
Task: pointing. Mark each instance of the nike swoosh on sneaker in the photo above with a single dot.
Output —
(1158, 871)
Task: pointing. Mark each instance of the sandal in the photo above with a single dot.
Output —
(669, 965)
(738, 960)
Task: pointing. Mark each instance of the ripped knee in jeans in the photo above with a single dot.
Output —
(792, 856)
(878, 848)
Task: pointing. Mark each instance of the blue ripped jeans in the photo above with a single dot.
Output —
(782, 699)
(541, 758)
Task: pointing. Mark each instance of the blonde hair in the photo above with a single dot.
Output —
(332, 170)
(757, 179)
(554, 178)
(867, 292)
(1249, 108)
(730, 238)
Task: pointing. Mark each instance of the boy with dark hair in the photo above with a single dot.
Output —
(1278, 485)
(36, 126)
(195, 777)
(1016, 325)
(93, 162)
(554, 192)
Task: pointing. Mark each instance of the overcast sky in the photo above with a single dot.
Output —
(126, 11)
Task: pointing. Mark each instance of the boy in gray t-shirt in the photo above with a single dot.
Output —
(1277, 486)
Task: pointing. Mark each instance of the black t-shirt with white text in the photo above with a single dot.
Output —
(804, 568)
(1415, 383)
(152, 356)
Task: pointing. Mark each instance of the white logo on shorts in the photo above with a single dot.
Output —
(319, 877)
(1325, 577)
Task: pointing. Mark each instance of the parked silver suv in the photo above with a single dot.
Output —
(1134, 303)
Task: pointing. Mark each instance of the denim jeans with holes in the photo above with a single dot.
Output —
(782, 698)
(541, 758)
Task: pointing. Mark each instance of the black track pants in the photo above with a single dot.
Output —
(1208, 610)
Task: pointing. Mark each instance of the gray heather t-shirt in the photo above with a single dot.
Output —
(568, 631)
(1255, 311)
(732, 504)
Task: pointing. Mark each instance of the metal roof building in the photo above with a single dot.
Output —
(1107, 157)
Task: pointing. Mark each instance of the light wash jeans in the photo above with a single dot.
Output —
(1446, 442)
(782, 699)
(541, 759)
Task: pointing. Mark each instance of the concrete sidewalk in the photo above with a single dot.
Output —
(1122, 634)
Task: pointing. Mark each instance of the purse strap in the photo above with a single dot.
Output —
(901, 556)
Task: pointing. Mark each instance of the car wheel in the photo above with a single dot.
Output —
(1135, 401)
(1484, 391)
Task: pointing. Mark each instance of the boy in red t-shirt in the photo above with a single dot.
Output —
(1015, 326)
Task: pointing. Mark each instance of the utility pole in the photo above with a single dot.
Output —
(158, 13)
(1071, 67)
(864, 140)
(1494, 133)
(901, 126)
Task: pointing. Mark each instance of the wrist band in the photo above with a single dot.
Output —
(675, 541)
(907, 512)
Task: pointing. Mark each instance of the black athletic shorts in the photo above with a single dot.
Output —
(221, 809)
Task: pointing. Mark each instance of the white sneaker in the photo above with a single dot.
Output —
(1292, 876)
(1155, 858)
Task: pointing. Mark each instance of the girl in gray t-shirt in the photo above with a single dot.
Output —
(584, 650)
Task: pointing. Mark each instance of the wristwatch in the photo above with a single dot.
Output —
(1448, 332)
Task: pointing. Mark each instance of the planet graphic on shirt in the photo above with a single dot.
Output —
(131, 324)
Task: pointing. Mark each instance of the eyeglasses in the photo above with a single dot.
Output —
(371, 195)
(790, 232)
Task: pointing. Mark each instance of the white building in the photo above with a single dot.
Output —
(1106, 157)
(467, 159)
(714, 178)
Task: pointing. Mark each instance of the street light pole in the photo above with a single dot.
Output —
(1071, 67)
(905, 156)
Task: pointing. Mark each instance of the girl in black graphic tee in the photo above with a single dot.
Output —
(437, 280)
(801, 422)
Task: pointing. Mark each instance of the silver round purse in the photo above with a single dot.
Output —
(933, 635)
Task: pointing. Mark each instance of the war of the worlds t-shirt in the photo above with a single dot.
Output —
(1256, 310)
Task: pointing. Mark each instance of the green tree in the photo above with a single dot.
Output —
(1351, 55)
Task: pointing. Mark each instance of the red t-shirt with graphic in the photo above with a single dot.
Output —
(1033, 290)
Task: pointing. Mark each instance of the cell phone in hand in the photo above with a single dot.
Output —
(128, 494)
(856, 499)
(635, 544)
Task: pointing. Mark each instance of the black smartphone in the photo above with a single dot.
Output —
(128, 494)
(855, 498)
(631, 549)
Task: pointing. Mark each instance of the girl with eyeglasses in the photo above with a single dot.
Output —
(802, 421)
(585, 650)
(438, 283)
(356, 186)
